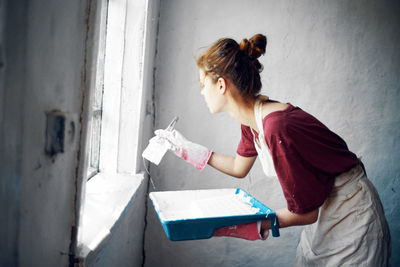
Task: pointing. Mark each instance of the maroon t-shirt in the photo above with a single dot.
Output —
(306, 155)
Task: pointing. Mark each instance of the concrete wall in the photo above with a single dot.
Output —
(44, 71)
(10, 128)
(46, 58)
(124, 246)
(45, 68)
(338, 60)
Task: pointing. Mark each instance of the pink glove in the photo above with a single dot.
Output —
(248, 231)
(195, 154)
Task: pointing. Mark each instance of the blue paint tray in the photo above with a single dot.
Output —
(195, 214)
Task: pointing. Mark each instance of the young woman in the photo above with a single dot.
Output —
(324, 183)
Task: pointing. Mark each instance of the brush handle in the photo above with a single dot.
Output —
(172, 124)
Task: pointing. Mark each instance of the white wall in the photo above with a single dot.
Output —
(44, 71)
(338, 60)
(46, 52)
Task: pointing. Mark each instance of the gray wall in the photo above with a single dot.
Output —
(44, 70)
(47, 54)
(10, 151)
(338, 60)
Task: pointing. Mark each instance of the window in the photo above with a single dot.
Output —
(95, 109)
(116, 99)
(115, 115)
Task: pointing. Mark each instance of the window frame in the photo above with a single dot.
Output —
(121, 85)
(118, 179)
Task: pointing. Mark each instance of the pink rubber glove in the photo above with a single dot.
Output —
(248, 231)
(195, 154)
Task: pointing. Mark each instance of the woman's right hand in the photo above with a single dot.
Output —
(195, 154)
(198, 155)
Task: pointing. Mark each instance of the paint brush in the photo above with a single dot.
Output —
(172, 124)
(157, 146)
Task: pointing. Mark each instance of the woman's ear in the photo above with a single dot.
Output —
(222, 85)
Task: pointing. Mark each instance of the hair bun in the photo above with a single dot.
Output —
(255, 47)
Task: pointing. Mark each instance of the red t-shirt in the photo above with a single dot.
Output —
(306, 155)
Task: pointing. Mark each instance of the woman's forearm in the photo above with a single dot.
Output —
(235, 166)
(223, 163)
(287, 218)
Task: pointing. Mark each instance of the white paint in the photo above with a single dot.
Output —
(133, 89)
(112, 86)
(106, 199)
(193, 204)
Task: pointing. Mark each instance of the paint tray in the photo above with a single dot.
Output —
(195, 214)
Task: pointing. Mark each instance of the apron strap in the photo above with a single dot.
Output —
(258, 114)
(258, 118)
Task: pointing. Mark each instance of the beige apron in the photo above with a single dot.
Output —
(351, 229)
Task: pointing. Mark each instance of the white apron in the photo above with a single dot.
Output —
(261, 147)
(351, 229)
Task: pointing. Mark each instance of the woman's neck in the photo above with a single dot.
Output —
(242, 110)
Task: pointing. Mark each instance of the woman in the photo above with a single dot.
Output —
(324, 183)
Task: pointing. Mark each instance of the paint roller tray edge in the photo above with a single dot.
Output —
(195, 214)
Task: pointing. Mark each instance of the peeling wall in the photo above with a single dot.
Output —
(338, 60)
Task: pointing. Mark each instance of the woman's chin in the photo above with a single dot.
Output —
(212, 111)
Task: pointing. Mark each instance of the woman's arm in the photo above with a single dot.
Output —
(237, 166)
(287, 218)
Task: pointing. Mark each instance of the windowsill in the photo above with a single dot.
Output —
(107, 197)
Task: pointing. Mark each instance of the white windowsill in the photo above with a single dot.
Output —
(107, 197)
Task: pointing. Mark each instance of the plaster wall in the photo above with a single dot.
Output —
(124, 246)
(338, 60)
(12, 50)
(47, 51)
(44, 71)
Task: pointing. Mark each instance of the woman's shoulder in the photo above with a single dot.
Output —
(276, 117)
(271, 106)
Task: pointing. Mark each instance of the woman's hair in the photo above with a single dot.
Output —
(236, 62)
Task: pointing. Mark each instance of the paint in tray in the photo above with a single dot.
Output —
(195, 214)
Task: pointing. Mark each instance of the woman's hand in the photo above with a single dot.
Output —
(287, 218)
(195, 154)
(199, 156)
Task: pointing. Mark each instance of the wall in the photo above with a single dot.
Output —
(12, 59)
(46, 58)
(124, 246)
(44, 70)
(338, 60)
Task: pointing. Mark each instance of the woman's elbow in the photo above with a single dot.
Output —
(239, 175)
(312, 216)
(242, 173)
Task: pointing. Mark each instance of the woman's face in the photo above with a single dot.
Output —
(213, 92)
